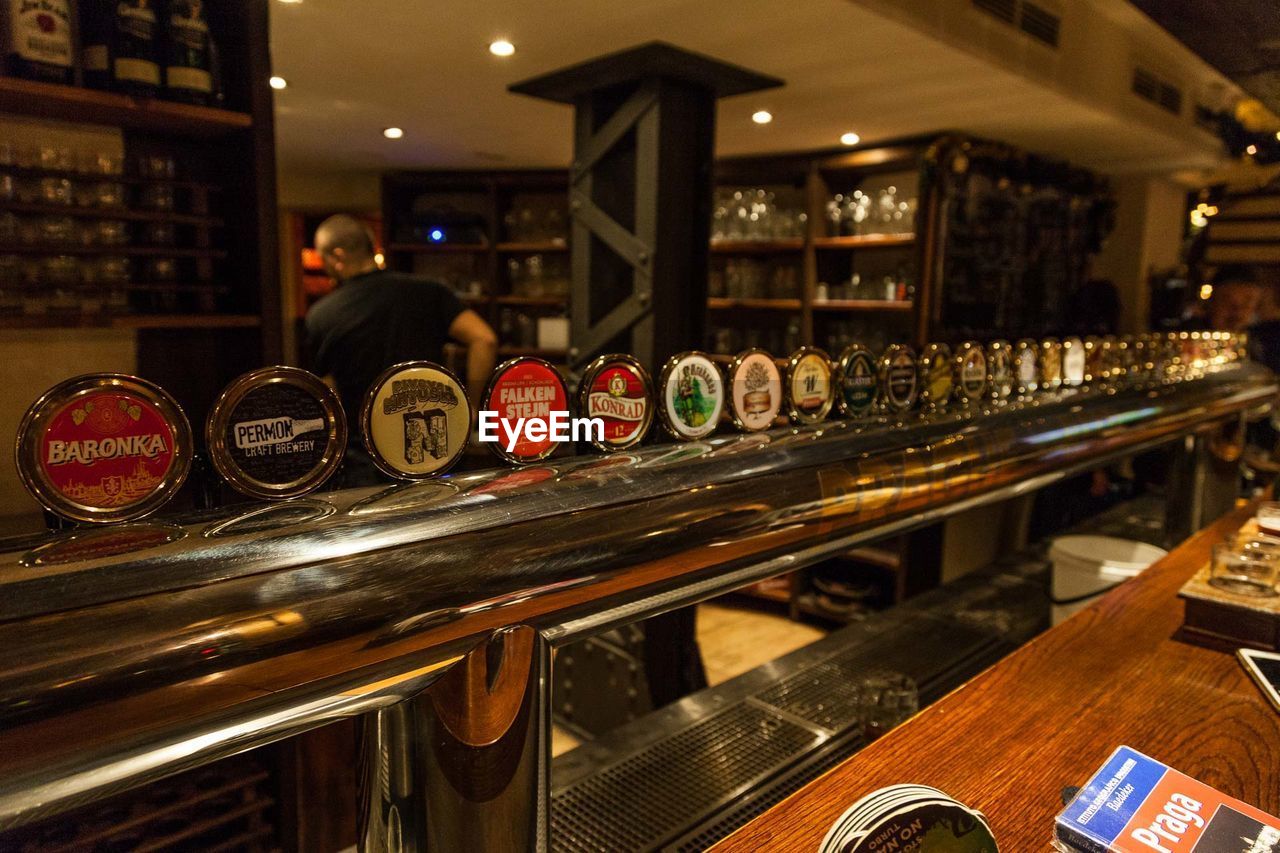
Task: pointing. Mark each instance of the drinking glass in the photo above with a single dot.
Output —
(884, 701)
(1268, 518)
(1243, 571)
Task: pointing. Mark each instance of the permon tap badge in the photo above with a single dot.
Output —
(856, 381)
(416, 420)
(278, 432)
(809, 385)
(521, 391)
(693, 396)
(103, 447)
(616, 389)
(755, 390)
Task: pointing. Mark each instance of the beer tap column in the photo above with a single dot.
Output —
(465, 765)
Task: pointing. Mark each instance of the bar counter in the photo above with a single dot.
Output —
(1046, 717)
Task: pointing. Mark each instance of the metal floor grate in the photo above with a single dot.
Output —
(644, 800)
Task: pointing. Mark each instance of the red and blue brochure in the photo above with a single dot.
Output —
(1135, 804)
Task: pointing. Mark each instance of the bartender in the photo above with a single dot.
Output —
(376, 318)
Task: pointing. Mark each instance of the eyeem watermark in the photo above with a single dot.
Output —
(557, 426)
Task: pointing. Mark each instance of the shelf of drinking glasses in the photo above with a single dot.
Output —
(133, 251)
(76, 103)
(533, 247)
(864, 241)
(717, 303)
(131, 214)
(863, 305)
(756, 247)
(439, 248)
(36, 173)
(131, 321)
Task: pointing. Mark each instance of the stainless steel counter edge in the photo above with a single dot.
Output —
(144, 664)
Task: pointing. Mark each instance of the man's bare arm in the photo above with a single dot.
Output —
(470, 329)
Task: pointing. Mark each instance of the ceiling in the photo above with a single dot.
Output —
(425, 67)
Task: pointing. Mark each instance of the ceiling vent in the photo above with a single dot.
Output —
(1032, 19)
(1151, 87)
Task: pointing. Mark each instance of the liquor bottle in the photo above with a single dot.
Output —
(135, 64)
(187, 73)
(97, 27)
(37, 39)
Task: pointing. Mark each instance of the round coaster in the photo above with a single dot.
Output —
(616, 389)
(856, 382)
(1000, 378)
(416, 420)
(692, 392)
(103, 447)
(971, 372)
(899, 379)
(936, 376)
(809, 385)
(1026, 367)
(1073, 362)
(524, 387)
(278, 432)
(755, 390)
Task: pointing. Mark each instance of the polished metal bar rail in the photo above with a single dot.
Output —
(140, 650)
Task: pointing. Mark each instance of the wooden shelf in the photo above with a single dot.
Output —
(864, 241)
(864, 305)
(533, 248)
(74, 103)
(756, 247)
(439, 248)
(133, 321)
(95, 178)
(533, 301)
(125, 213)
(133, 251)
(717, 303)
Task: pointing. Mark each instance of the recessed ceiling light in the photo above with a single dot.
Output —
(501, 47)
(762, 116)
(291, 2)
(850, 139)
(279, 83)
(1251, 150)
(392, 133)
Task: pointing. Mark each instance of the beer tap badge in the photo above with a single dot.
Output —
(755, 390)
(899, 379)
(416, 420)
(693, 396)
(971, 372)
(809, 375)
(616, 390)
(103, 447)
(856, 382)
(523, 391)
(1050, 364)
(1000, 367)
(1026, 367)
(936, 371)
(1073, 362)
(278, 432)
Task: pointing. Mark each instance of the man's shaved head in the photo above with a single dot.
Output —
(345, 245)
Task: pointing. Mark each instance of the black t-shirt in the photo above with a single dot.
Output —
(373, 321)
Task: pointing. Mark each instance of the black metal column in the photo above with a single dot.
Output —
(640, 195)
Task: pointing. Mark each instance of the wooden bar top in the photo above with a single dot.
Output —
(1047, 716)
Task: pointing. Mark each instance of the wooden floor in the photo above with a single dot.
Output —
(734, 638)
(1048, 715)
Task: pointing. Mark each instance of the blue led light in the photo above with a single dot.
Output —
(436, 235)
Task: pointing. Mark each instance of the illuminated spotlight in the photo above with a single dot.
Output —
(762, 116)
(392, 133)
(379, 259)
(436, 235)
(279, 83)
(1206, 291)
(501, 47)
(850, 139)
(1251, 150)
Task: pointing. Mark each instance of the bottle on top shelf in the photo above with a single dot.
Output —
(38, 42)
(136, 47)
(97, 26)
(188, 74)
